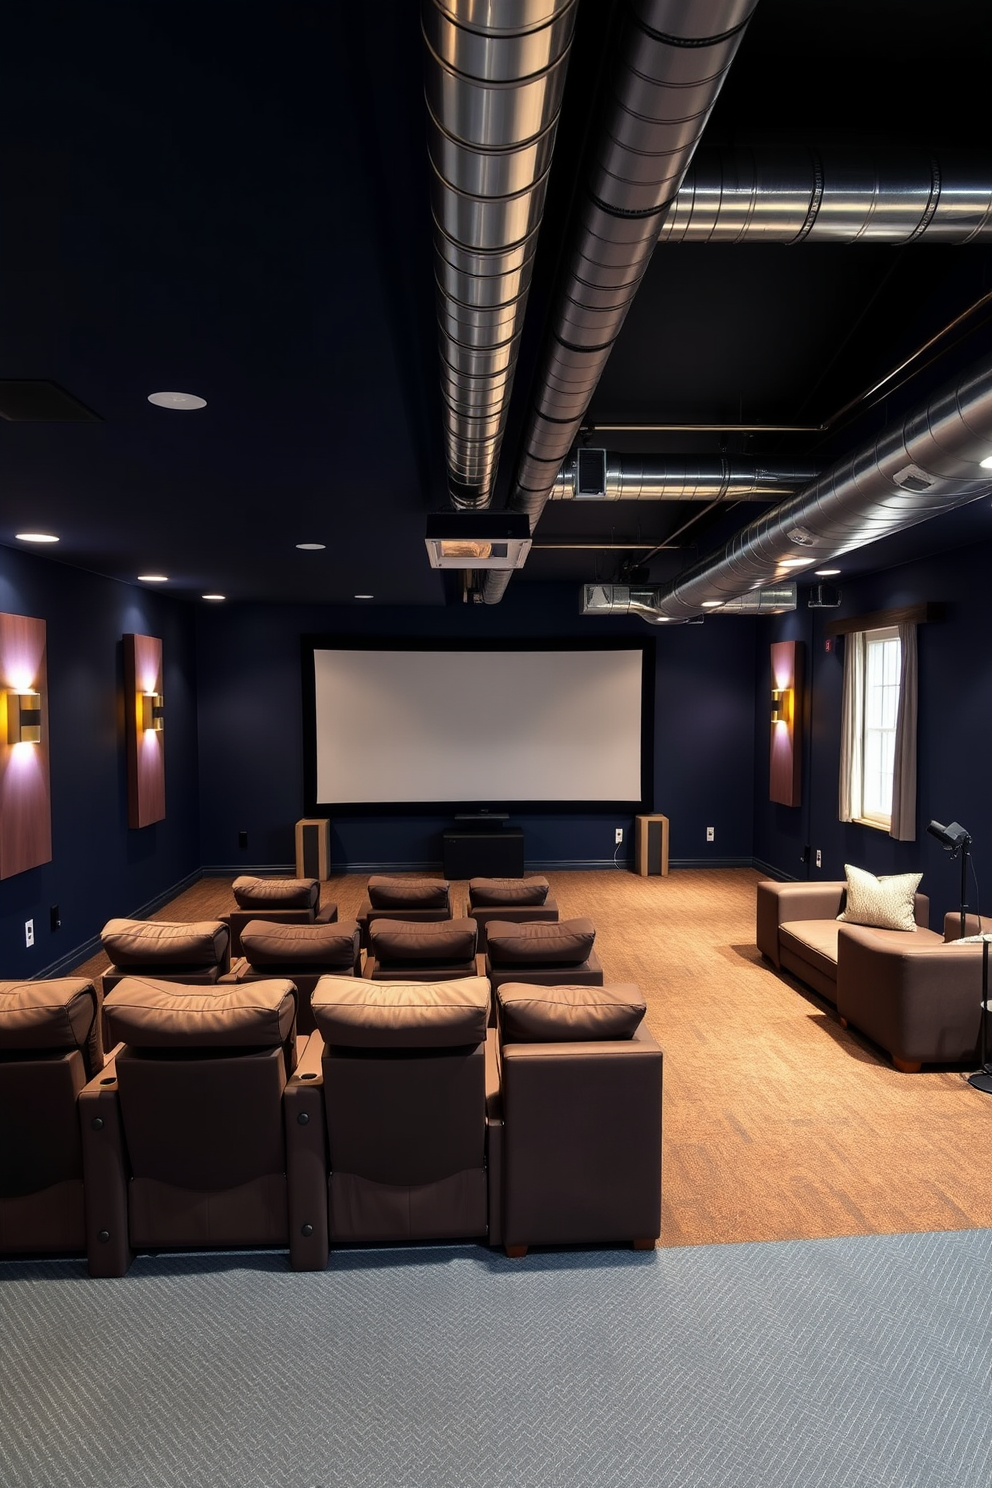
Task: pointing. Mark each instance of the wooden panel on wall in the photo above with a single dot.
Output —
(145, 746)
(785, 755)
(25, 791)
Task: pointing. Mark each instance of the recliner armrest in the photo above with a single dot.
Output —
(105, 1174)
(780, 902)
(306, 1159)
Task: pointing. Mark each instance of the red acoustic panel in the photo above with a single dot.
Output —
(785, 756)
(145, 743)
(25, 791)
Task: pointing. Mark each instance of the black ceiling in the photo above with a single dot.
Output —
(232, 200)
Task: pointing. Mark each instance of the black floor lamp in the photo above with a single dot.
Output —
(954, 839)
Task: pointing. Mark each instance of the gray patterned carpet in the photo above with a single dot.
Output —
(854, 1363)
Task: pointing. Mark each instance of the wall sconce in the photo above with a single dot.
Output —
(151, 711)
(24, 717)
(782, 703)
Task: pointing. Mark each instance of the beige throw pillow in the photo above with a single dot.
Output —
(884, 903)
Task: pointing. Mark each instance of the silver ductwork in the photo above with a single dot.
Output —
(925, 466)
(621, 599)
(671, 62)
(788, 195)
(598, 475)
(495, 78)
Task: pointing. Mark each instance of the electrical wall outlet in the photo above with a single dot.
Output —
(619, 834)
(54, 918)
(710, 834)
(819, 858)
(242, 840)
(29, 932)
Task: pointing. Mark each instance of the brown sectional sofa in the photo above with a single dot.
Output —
(912, 992)
(798, 929)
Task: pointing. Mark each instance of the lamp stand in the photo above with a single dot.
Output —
(965, 859)
(982, 1079)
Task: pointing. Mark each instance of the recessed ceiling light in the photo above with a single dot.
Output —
(826, 573)
(311, 547)
(35, 537)
(177, 400)
(153, 578)
(795, 562)
(365, 596)
(213, 596)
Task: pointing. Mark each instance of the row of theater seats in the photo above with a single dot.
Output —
(308, 1109)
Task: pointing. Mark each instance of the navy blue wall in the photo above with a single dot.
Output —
(251, 744)
(955, 682)
(99, 867)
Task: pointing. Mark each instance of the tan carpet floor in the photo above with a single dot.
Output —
(778, 1123)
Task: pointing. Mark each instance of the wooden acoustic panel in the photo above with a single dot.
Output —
(145, 746)
(25, 790)
(786, 751)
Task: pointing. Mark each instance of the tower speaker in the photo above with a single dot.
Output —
(313, 848)
(651, 844)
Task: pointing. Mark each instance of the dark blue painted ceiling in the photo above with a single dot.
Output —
(232, 200)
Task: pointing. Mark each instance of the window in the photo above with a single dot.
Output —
(878, 730)
(880, 709)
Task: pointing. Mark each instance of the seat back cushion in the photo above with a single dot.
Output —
(407, 942)
(273, 943)
(401, 1015)
(391, 892)
(131, 943)
(484, 893)
(148, 1014)
(565, 1014)
(50, 1015)
(276, 893)
(565, 943)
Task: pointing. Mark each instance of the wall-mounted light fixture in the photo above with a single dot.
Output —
(782, 704)
(151, 711)
(24, 717)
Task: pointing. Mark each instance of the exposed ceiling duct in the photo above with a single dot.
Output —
(495, 78)
(788, 195)
(598, 475)
(624, 599)
(928, 464)
(671, 61)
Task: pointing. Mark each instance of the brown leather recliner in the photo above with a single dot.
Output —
(512, 900)
(302, 953)
(412, 950)
(399, 897)
(197, 952)
(49, 1047)
(581, 1106)
(289, 901)
(182, 1132)
(543, 953)
(388, 1119)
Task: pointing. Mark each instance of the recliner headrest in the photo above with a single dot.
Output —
(271, 943)
(50, 1015)
(431, 941)
(132, 943)
(391, 892)
(170, 1015)
(401, 1015)
(486, 893)
(276, 893)
(567, 943)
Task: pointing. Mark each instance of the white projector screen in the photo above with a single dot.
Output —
(480, 727)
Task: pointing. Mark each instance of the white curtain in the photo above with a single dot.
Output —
(903, 826)
(851, 727)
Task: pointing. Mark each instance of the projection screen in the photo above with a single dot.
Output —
(497, 726)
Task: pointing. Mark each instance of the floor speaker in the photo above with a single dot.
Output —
(313, 848)
(651, 844)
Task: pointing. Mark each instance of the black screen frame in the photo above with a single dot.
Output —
(311, 643)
